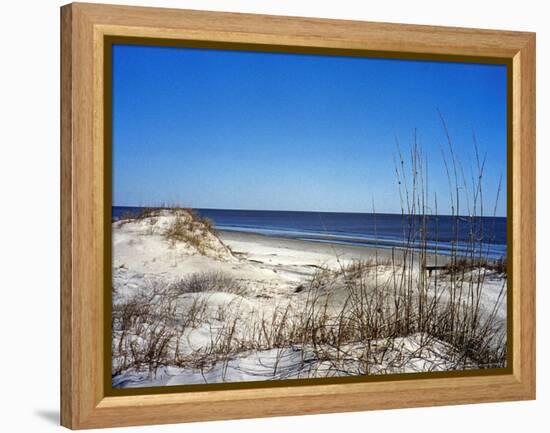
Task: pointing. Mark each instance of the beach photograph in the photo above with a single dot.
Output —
(280, 216)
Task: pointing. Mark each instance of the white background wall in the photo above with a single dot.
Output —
(29, 215)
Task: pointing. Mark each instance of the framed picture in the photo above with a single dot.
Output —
(268, 216)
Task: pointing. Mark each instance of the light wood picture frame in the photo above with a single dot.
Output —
(87, 30)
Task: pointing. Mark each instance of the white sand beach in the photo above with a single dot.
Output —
(231, 306)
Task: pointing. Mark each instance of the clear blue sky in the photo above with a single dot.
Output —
(245, 130)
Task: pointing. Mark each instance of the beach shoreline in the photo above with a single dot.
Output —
(435, 235)
(251, 242)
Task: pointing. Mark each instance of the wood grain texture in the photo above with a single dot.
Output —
(524, 215)
(67, 394)
(83, 400)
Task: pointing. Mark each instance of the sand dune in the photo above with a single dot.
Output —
(230, 307)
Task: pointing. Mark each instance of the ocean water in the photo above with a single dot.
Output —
(363, 229)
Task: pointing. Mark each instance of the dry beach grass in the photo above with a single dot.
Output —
(355, 317)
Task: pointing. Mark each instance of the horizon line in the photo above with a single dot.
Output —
(308, 211)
